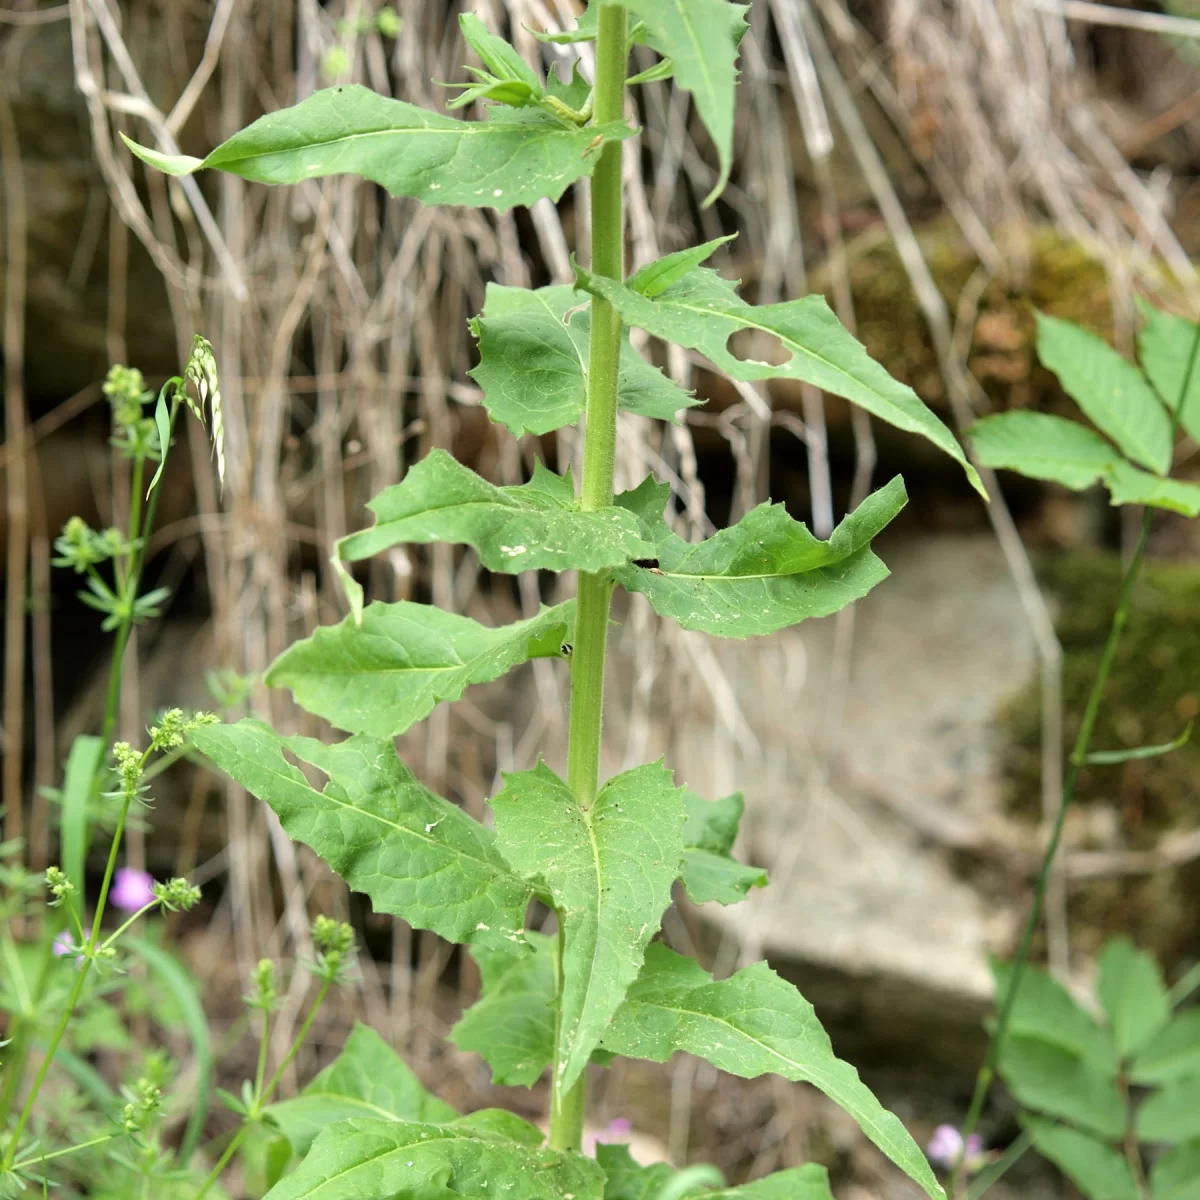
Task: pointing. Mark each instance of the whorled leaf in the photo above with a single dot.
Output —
(752, 1024)
(1111, 391)
(1165, 346)
(384, 673)
(1099, 1171)
(532, 526)
(609, 870)
(368, 1079)
(514, 157)
(491, 1155)
(764, 573)
(511, 1025)
(533, 348)
(703, 311)
(696, 36)
(709, 871)
(414, 854)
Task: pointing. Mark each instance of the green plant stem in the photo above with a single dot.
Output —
(226, 1155)
(1185, 987)
(1133, 1155)
(141, 912)
(987, 1072)
(83, 971)
(38, 1159)
(297, 1042)
(567, 1108)
(994, 1173)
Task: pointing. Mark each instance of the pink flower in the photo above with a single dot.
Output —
(946, 1147)
(131, 890)
(619, 1129)
(63, 945)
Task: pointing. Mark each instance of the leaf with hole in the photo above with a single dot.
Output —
(514, 157)
(414, 854)
(608, 868)
(368, 1079)
(703, 311)
(511, 1025)
(491, 1155)
(709, 871)
(1099, 1171)
(381, 675)
(1111, 391)
(764, 573)
(752, 1024)
(532, 526)
(533, 349)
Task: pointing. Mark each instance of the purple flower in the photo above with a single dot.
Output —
(63, 945)
(131, 890)
(946, 1147)
(619, 1129)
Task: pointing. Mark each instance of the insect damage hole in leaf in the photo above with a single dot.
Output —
(758, 348)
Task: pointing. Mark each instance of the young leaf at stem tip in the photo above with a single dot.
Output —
(709, 872)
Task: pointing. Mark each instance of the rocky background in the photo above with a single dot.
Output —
(938, 171)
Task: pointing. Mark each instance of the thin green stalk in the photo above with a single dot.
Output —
(222, 1162)
(1185, 987)
(1083, 741)
(297, 1042)
(37, 1159)
(591, 622)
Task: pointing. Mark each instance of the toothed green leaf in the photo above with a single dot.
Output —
(414, 854)
(513, 157)
(533, 348)
(751, 1024)
(609, 870)
(536, 525)
(709, 871)
(702, 311)
(384, 674)
(764, 573)
(368, 1079)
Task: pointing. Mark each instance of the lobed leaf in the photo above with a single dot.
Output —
(709, 871)
(609, 870)
(1165, 347)
(1133, 994)
(1051, 1080)
(1112, 392)
(1172, 1115)
(752, 1024)
(1045, 1011)
(383, 674)
(414, 854)
(368, 1079)
(1173, 1054)
(764, 573)
(511, 1025)
(514, 157)
(489, 1156)
(702, 312)
(1099, 1171)
(535, 525)
(696, 36)
(1176, 1176)
(534, 348)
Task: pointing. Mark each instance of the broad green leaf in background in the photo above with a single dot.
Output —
(1112, 392)
(709, 872)
(702, 311)
(511, 1025)
(533, 348)
(1099, 1171)
(764, 573)
(381, 676)
(1172, 1115)
(1133, 994)
(1041, 446)
(361, 1158)
(626, 1178)
(1128, 485)
(609, 870)
(752, 1024)
(79, 785)
(1045, 1011)
(514, 157)
(1165, 345)
(368, 1079)
(695, 35)
(414, 854)
(1051, 1080)
(809, 1182)
(1172, 1054)
(1176, 1176)
(535, 525)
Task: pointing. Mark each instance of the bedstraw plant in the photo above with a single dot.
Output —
(601, 855)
